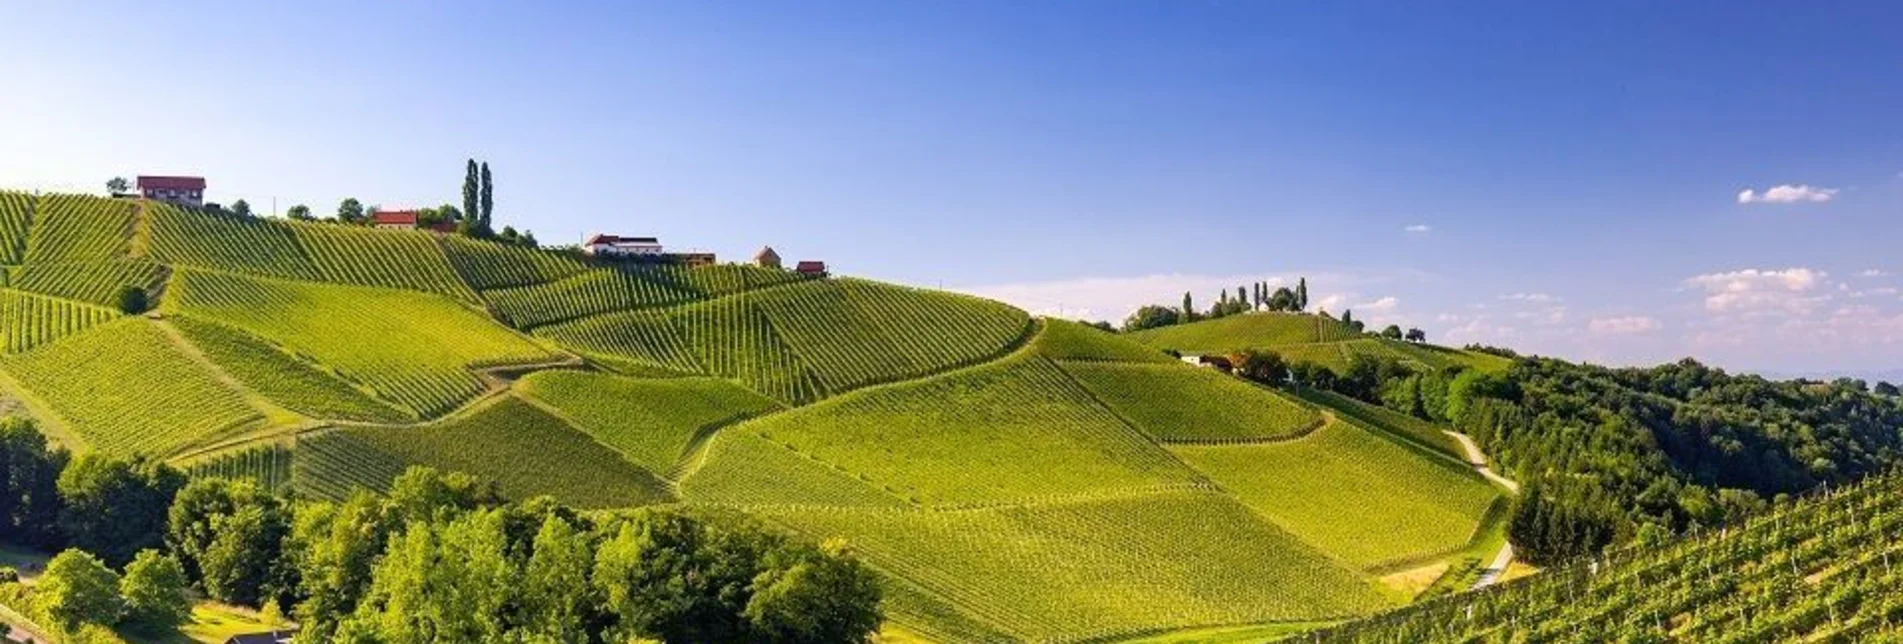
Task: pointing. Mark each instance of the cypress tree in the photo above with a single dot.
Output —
(471, 206)
(1189, 308)
(488, 199)
(1301, 295)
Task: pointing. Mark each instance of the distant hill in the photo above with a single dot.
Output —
(1307, 338)
(1012, 478)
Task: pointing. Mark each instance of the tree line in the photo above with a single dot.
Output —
(441, 557)
(1258, 296)
(1610, 456)
(474, 219)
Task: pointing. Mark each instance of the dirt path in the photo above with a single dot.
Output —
(1491, 575)
(1479, 461)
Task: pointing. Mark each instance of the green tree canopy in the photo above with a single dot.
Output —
(77, 589)
(154, 592)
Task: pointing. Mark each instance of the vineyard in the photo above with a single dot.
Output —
(523, 449)
(1300, 337)
(408, 349)
(1010, 478)
(1096, 568)
(1354, 494)
(1421, 432)
(651, 422)
(1015, 430)
(125, 388)
(1180, 403)
(1828, 568)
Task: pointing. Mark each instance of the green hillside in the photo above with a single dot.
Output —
(1304, 338)
(1009, 478)
(1818, 570)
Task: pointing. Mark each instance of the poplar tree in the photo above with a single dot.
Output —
(488, 199)
(470, 200)
(1189, 308)
(1301, 295)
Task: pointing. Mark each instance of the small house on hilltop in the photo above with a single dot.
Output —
(184, 190)
(696, 260)
(1219, 363)
(602, 245)
(394, 219)
(767, 258)
(811, 268)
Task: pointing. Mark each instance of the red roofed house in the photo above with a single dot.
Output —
(397, 219)
(185, 190)
(811, 268)
(617, 246)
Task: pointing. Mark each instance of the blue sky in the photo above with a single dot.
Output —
(1571, 175)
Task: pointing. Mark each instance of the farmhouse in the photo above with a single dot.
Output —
(696, 260)
(603, 245)
(766, 258)
(811, 268)
(1218, 363)
(395, 219)
(184, 190)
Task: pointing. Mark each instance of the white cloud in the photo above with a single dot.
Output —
(1383, 305)
(1787, 193)
(1874, 272)
(1419, 229)
(1623, 325)
(1537, 298)
(1113, 298)
(1753, 290)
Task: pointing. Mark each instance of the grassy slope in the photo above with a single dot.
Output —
(1354, 494)
(1421, 432)
(1009, 431)
(410, 349)
(652, 422)
(525, 450)
(1096, 568)
(124, 387)
(1177, 402)
(1066, 340)
(1303, 338)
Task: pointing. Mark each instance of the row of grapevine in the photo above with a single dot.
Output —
(269, 466)
(79, 228)
(744, 469)
(125, 388)
(28, 320)
(1096, 569)
(399, 259)
(93, 282)
(334, 464)
(223, 241)
(591, 293)
(281, 376)
(651, 421)
(488, 265)
(16, 217)
(1420, 432)
(1353, 493)
(1178, 402)
(1005, 432)
(1828, 568)
(802, 342)
(1072, 341)
(525, 451)
(411, 349)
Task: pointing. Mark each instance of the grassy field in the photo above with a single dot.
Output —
(1177, 402)
(523, 449)
(1015, 430)
(1353, 494)
(650, 421)
(410, 349)
(124, 388)
(1096, 568)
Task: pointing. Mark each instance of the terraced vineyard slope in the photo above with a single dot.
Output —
(1009, 478)
(1304, 338)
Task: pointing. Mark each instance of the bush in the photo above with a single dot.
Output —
(132, 300)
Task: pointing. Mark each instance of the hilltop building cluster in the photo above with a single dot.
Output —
(650, 250)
